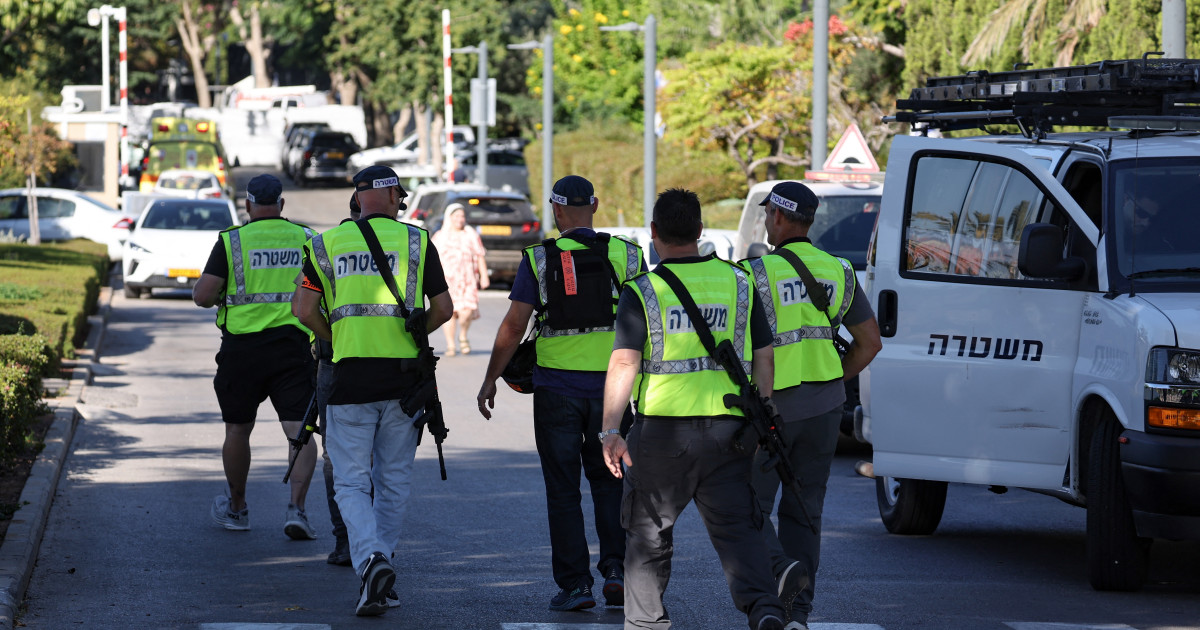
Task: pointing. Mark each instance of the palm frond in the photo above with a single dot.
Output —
(994, 31)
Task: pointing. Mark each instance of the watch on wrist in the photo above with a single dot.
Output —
(604, 434)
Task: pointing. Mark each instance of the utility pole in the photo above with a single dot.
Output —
(1174, 29)
(820, 89)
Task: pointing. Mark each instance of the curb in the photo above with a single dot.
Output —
(19, 551)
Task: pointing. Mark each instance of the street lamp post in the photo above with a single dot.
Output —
(547, 48)
(481, 128)
(99, 17)
(649, 139)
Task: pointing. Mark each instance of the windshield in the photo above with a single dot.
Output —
(842, 226)
(187, 216)
(1156, 224)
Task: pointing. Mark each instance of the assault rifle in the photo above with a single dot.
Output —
(308, 426)
(424, 397)
(765, 421)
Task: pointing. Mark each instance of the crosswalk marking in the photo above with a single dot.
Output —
(1044, 625)
(265, 626)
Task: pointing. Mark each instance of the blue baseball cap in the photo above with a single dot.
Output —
(264, 190)
(573, 190)
(378, 176)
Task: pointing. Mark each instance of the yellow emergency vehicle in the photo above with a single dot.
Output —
(183, 143)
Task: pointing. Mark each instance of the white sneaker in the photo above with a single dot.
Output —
(222, 515)
(296, 524)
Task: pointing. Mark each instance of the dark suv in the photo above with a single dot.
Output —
(505, 220)
(324, 156)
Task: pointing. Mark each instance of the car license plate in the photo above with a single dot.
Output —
(495, 230)
(183, 273)
(335, 155)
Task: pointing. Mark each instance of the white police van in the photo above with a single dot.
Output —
(1039, 299)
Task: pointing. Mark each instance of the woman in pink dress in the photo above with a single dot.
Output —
(463, 262)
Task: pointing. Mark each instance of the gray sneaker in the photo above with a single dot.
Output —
(225, 517)
(296, 525)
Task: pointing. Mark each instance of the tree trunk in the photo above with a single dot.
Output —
(189, 36)
(256, 46)
(345, 87)
(401, 127)
(422, 115)
(439, 157)
(382, 123)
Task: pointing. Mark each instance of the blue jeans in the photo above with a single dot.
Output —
(371, 444)
(565, 429)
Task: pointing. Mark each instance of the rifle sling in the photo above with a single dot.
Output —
(385, 270)
(816, 292)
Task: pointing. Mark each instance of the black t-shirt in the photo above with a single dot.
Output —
(372, 379)
(631, 317)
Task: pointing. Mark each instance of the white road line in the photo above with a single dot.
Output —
(1045, 625)
(265, 626)
(560, 626)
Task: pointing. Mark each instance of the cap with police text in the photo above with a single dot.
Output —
(263, 190)
(793, 197)
(573, 190)
(377, 176)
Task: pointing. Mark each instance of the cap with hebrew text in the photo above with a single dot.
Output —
(378, 176)
(264, 190)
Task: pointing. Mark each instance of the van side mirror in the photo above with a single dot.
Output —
(1041, 254)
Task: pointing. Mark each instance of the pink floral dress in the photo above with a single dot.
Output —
(460, 252)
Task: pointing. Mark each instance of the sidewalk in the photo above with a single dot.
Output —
(19, 551)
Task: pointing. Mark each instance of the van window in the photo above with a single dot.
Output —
(1157, 226)
(967, 217)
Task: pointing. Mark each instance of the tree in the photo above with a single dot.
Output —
(1078, 19)
(751, 102)
(19, 149)
(258, 49)
(197, 40)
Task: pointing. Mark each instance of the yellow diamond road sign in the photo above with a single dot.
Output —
(852, 154)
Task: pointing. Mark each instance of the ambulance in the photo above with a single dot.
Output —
(1038, 293)
(183, 143)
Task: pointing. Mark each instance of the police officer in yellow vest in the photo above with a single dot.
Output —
(572, 282)
(809, 375)
(369, 438)
(680, 448)
(264, 349)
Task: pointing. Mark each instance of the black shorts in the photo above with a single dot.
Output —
(281, 370)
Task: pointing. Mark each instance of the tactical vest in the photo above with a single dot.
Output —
(263, 258)
(577, 298)
(803, 334)
(364, 316)
(678, 377)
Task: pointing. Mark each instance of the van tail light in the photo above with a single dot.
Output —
(307, 156)
(530, 226)
(124, 224)
(220, 164)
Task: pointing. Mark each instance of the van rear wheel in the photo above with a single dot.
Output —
(910, 506)
(1118, 560)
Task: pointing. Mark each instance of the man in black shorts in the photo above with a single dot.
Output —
(264, 348)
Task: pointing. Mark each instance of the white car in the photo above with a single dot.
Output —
(64, 215)
(189, 184)
(171, 241)
(405, 151)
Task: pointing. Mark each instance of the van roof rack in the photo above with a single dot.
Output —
(1038, 99)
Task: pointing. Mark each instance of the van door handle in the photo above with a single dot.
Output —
(887, 312)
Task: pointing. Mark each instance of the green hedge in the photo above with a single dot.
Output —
(51, 289)
(46, 294)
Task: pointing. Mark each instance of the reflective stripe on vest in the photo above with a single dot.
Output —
(275, 262)
(365, 319)
(580, 349)
(654, 320)
(796, 362)
(678, 378)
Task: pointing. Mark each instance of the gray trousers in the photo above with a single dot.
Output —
(674, 463)
(811, 443)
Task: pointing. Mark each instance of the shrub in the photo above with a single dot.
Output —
(51, 289)
(20, 405)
